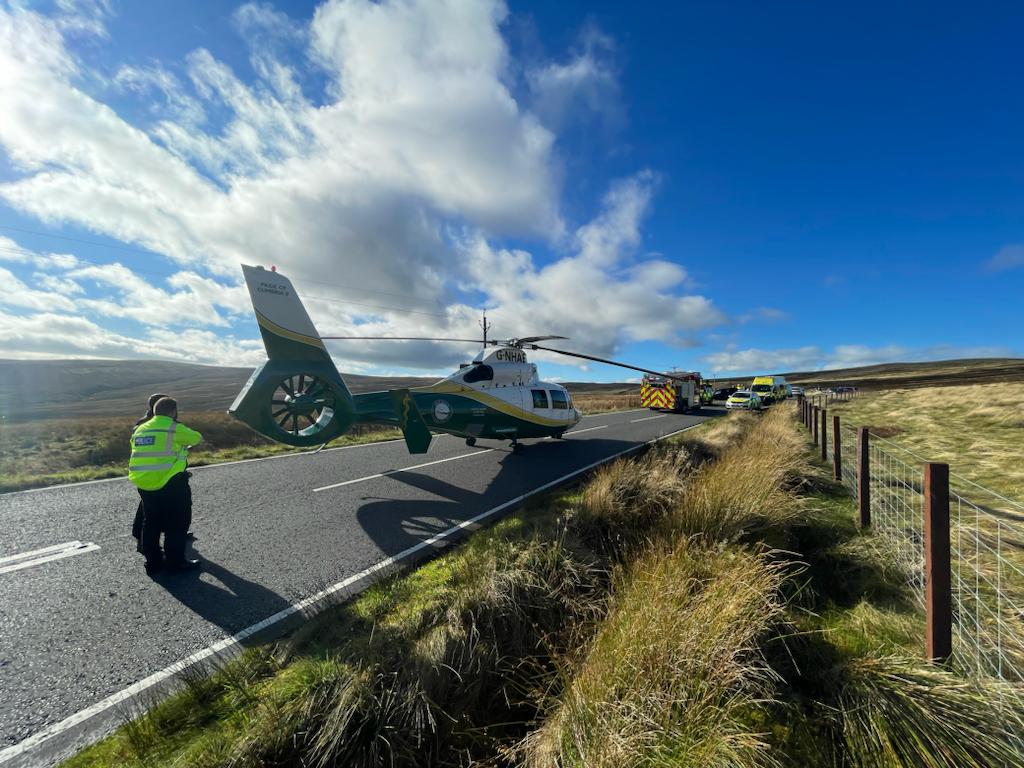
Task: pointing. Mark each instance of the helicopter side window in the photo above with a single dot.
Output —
(479, 373)
(558, 400)
(540, 398)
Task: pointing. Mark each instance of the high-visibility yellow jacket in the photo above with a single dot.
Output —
(159, 452)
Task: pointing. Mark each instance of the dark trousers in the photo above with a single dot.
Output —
(141, 511)
(166, 512)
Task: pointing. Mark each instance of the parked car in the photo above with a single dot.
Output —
(797, 391)
(725, 393)
(744, 399)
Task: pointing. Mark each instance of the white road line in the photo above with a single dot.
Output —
(588, 429)
(612, 413)
(300, 607)
(649, 418)
(38, 552)
(46, 555)
(402, 469)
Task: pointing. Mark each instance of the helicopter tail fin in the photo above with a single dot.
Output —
(287, 331)
(297, 397)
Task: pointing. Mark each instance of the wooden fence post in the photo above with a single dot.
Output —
(824, 434)
(938, 597)
(864, 476)
(837, 450)
(814, 427)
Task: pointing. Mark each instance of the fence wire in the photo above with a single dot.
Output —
(986, 551)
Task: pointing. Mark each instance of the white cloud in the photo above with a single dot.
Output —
(358, 189)
(50, 335)
(138, 299)
(144, 80)
(599, 297)
(1007, 257)
(814, 358)
(16, 294)
(587, 84)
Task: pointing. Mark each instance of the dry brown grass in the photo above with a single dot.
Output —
(674, 670)
(977, 429)
(601, 402)
(745, 490)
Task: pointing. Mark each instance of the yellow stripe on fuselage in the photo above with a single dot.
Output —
(451, 388)
(274, 328)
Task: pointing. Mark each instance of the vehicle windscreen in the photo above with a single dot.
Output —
(761, 388)
(741, 396)
(479, 373)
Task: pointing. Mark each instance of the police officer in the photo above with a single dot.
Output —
(157, 468)
(137, 522)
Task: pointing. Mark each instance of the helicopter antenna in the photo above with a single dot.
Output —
(486, 326)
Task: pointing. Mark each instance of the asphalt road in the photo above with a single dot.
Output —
(76, 628)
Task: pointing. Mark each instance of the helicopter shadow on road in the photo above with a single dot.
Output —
(395, 524)
(230, 601)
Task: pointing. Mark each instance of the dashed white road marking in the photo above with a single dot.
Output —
(649, 418)
(229, 643)
(402, 469)
(588, 429)
(34, 557)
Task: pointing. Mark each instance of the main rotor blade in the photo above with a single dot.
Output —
(611, 362)
(532, 339)
(398, 338)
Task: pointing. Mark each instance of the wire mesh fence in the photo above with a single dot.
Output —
(986, 550)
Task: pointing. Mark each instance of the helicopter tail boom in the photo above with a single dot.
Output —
(297, 397)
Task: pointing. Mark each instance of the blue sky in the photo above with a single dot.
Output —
(731, 188)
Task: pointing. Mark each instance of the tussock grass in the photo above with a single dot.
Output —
(674, 671)
(746, 489)
(895, 711)
(635, 502)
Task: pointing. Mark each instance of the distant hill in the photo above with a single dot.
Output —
(47, 389)
(51, 389)
(912, 375)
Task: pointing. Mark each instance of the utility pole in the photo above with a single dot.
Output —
(486, 326)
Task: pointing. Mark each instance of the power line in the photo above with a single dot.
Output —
(78, 240)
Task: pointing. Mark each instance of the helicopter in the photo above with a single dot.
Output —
(299, 398)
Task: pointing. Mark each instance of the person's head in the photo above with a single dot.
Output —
(166, 406)
(153, 400)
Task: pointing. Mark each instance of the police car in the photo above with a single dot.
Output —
(744, 399)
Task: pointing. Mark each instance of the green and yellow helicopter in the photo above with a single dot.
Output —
(298, 397)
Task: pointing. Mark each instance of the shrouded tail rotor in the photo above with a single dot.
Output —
(303, 404)
(297, 397)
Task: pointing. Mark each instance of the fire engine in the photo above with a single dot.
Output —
(672, 391)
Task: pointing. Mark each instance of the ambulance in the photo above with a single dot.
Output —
(771, 389)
